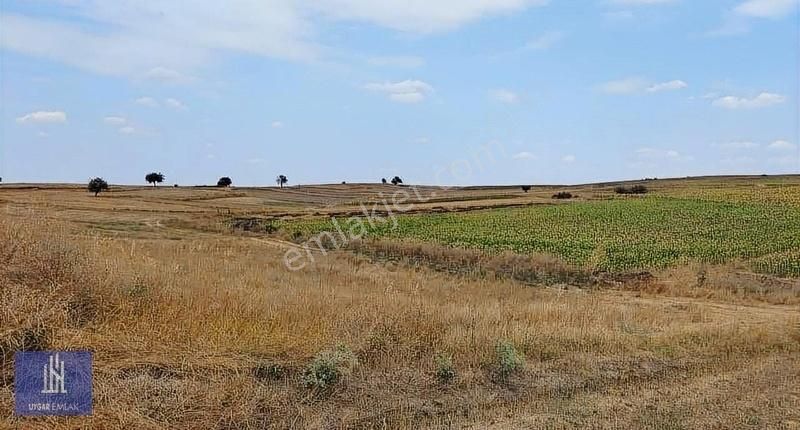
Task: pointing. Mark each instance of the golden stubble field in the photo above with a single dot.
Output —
(194, 326)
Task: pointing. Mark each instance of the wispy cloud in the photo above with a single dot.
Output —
(738, 20)
(766, 8)
(762, 100)
(667, 86)
(524, 155)
(638, 85)
(43, 117)
(408, 91)
(147, 101)
(503, 96)
(115, 120)
(782, 145)
(641, 2)
(175, 104)
(545, 41)
(163, 74)
(169, 42)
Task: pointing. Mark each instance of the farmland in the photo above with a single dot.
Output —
(617, 234)
(667, 310)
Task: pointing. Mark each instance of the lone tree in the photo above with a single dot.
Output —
(396, 180)
(154, 178)
(224, 182)
(383, 181)
(97, 185)
(281, 180)
(526, 188)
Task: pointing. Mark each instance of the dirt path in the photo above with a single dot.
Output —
(751, 313)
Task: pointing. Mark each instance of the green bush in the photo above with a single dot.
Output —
(507, 359)
(328, 367)
(445, 372)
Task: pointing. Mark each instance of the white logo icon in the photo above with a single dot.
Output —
(54, 377)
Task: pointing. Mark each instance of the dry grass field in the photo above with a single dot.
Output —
(197, 325)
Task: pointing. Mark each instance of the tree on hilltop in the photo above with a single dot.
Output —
(154, 178)
(97, 185)
(281, 180)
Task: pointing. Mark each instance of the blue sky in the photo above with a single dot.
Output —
(439, 92)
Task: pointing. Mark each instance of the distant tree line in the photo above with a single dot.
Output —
(98, 185)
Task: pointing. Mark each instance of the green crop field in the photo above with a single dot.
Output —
(619, 234)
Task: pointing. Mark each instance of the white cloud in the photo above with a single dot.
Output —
(524, 155)
(421, 141)
(42, 134)
(164, 74)
(408, 91)
(420, 16)
(43, 117)
(545, 41)
(760, 101)
(624, 86)
(568, 159)
(503, 96)
(641, 2)
(667, 86)
(782, 145)
(115, 120)
(766, 8)
(127, 130)
(619, 15)
(255, 160)
(637, 85)
(147, 101)
(277, 124)
(175, 104)
(404, 62)
(169, 41)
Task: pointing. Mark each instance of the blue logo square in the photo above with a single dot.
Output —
(53, 383)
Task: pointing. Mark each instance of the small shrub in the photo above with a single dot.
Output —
(562, 195)
(328, 367)
(636, 189)
(526, 188)
(445, 372)
(507, 359)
